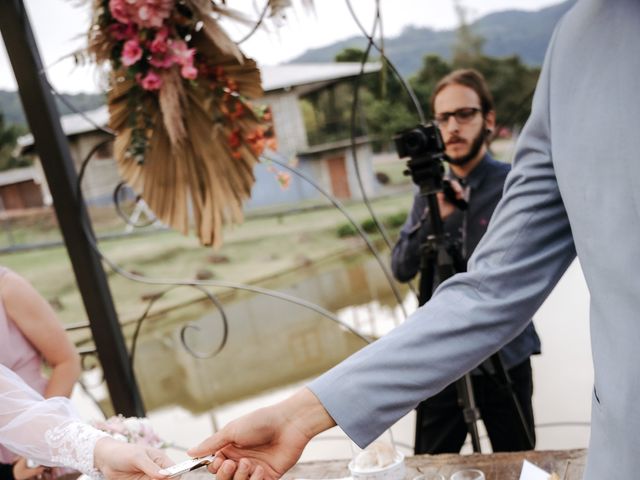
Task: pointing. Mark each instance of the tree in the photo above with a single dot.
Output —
(350, 54)
(512, 84)
(8, 141)
(425, 80)
(468, 45)
(510, 81)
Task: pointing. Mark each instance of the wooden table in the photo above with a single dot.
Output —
(568, 464)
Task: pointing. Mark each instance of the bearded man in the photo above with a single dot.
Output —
(463, 108)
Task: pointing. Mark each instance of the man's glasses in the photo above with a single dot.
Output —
(462, 115)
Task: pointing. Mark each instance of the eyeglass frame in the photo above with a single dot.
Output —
(455, 113)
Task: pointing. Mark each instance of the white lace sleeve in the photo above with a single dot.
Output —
(47, 431)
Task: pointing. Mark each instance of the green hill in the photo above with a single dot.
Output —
(509, 32)
(11, 107)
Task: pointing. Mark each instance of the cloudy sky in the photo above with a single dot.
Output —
(59, 27)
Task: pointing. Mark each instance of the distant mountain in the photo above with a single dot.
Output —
(509, 32)
(506, 33)
(11, 107)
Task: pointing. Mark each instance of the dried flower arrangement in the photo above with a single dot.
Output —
(187, 136)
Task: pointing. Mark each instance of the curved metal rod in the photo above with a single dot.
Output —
(125, 218)
(405, 84)
(210, 296)
(232, 285)
(256, 25)
(352, 127)
(359, 229)
(71, 107)
(225, 325)
(93, 244)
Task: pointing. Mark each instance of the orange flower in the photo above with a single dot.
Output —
(234, 139)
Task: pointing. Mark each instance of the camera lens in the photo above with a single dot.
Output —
(415, 142)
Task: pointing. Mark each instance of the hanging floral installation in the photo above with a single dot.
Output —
(187, 135)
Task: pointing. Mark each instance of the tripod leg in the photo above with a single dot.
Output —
(469, 410)
(440, 426)
(504, 381)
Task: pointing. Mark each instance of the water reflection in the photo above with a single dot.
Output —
(271, 343)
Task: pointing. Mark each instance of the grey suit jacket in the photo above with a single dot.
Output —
(576, 180)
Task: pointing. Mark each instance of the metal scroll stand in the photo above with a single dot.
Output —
(441, 257)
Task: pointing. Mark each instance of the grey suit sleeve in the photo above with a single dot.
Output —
(525, 251)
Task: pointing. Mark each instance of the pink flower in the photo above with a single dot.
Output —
(182, 54)
(152, 81)
(159, 44)
(121, 31)
(144, 13)
(161, 61)
(131, 52)
(151, 13)
(189, 72)
(131, 430)
(120, 10)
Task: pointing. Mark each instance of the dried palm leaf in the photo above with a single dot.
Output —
(212, 29)
(205, 174)
(187, 147)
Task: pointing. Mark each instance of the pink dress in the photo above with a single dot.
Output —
(19, 355)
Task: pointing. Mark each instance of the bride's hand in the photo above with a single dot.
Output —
(123, 461)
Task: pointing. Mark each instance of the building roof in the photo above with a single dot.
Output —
(335, 145)
(274, 78)
(75, 124)
(282, 77)
(18, 175)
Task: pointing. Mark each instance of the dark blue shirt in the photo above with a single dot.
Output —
(485, 184)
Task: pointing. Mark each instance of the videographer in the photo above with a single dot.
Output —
(463, 107)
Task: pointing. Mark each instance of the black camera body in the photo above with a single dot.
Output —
(424, 146)
(423, 140)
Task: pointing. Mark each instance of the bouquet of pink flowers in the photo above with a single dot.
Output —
(187, 136)
(149, 44)
(131, 430)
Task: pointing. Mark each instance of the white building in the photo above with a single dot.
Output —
(331, 164)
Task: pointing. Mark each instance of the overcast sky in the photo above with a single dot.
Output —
(59, 27)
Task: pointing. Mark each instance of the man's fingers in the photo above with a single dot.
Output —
(258, 473)
(214, 466)
(211, 445)
(226, 471)
(243, 470)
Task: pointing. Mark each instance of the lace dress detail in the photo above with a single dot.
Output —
(72, 445)
(47, 431)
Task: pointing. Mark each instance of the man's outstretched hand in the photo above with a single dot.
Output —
(266, 443)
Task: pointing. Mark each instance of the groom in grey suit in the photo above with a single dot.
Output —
(574, 187)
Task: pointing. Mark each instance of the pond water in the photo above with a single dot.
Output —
(273, 347)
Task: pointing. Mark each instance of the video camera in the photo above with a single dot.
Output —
(424, 140)
(424, 146)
